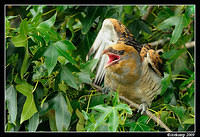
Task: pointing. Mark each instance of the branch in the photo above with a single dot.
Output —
(158, 42)
(150, 8)
(163, 41)
(132, 104)
(190, 44)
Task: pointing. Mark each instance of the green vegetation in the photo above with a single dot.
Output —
(48, 81)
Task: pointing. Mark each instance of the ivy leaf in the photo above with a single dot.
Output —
(172, 21)
(23, 27)
(120, 107)
(172, 54)
(66, 76)
(51, 56)
(81, 122)
(166, 83)
(93, 13)
(19, 40)
(189, 121)
(46, 30)
(29, 108)
(106, 118)
(140, 125)
(84, 77)
(113, 121)
(178, 110)
(25, 63)
(178, 30)
(33, 122)
(25, 88)
(62, 47)
(105, 111)
(62, 112)
(11, 98)
(48, 23)
(89, 65)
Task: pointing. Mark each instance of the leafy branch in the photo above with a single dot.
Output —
(135, 105)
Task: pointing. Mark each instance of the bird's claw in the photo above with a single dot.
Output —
(105, 90)
(142, 108)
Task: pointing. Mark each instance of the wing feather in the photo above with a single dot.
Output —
(106, 36)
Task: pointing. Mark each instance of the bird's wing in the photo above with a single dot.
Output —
(106, 36)
(153, 59)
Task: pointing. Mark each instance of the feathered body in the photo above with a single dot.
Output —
(129, 68)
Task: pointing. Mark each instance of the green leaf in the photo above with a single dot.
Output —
(143, 119)
(23, 27)
(178, 30)
(89, 65)
(7, 26)
(33, 122)
(29, 108)
(113, 121)
(144, 27)
(178, 110)
(25, 63)
(140, 125)
(62, 113)
(189, 121)
(11, 98)
(19, 40)
(66, 76)
(62, 47)
(166, 83)
(172, 21)
(51, 56)
(81, 122)
(52, 120)
(120, 107)
(92, 14)
(39, 53)
(84, 77)
(106, 118)
(25, 88)
(46, 31)
(172, 54)
(128, 9)
(48, 23)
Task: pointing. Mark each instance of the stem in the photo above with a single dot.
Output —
(48, 12)
(89, 102)
(35, 87)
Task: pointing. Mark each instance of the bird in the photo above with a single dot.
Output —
(125, 66)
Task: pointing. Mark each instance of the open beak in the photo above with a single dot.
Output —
(113, 58)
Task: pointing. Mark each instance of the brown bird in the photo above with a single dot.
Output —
(127, 67)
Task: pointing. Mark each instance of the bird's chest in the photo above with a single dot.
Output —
(123, 84)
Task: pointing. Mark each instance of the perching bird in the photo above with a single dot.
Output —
(127, 67)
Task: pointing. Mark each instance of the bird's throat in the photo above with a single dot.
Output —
(113, 59)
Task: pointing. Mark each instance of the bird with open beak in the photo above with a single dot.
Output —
(127, 67)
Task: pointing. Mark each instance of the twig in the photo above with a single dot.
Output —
(158, 42)
(190, 44)
(150, 8)
(132, 104)
(163, 41)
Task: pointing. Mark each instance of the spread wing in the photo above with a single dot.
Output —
(106, 36)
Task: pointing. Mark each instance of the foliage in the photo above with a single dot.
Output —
(48, 80)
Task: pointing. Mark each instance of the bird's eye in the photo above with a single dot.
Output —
(121, 52)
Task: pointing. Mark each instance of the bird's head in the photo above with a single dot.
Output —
(122, 58)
